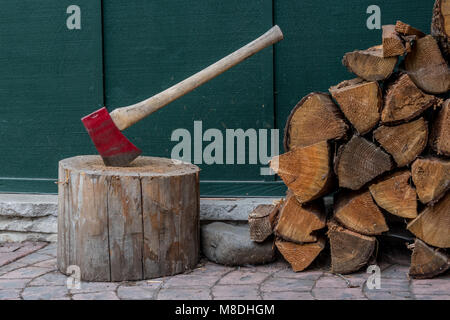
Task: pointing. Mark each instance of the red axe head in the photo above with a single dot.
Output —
(113, 146)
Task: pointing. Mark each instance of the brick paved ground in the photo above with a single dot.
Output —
(35, 276)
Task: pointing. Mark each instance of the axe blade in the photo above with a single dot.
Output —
(114, 148)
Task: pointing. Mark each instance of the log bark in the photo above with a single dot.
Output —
(440, 27)
(300, 256)
(350, 251)
(440, 131)
(360, 101)
(395, 195)
(370, 64)
(431, 176)
(306, 171)
(357, 211)
(314, 119)
(259, 221)
(129, 223)
(403, 142)
(427, 68)
(407, 30)
(404, 101)
(392, 43)
(427, 262)
(433, 224)
(360, 161)
(298, 223)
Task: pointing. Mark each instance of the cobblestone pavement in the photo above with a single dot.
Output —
(35, 276)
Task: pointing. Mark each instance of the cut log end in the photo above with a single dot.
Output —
(427, 262)
(404, 101)
(358, 212)
(300, 256)
(407, 30)
(404, 142)
(306, 171)
(314, 119)
(370, 64)
(360, 101)
(259, 221)
(299, 223)
(433, 224)
(350, 251)
(359, 161)
(392, 43)
(427, 68)
(440, 27)
(395, 195)
(440, 132)
(431, 176)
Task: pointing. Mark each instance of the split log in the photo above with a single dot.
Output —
(440, 131)
(431, 176)
(370, 64)
(404, 101)
(395, 195)
(427, 68)
(259, 221)
(407, 30)
(306, 171)
(357, 211)
(350, 251)
(360, 101)
(433, 224)
(314, 119)
(130, 223)
(440, 27)
(359, 161)
(298, 223)
(427, 262)
(404, 142)
(300, 255)
(392, 43)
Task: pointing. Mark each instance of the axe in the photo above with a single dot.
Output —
(105, 128)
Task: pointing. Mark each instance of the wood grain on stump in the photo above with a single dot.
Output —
(127, 223)
(431, 176)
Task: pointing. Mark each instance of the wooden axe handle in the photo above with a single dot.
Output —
(127, 116)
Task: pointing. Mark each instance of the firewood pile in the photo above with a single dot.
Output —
(380, 144)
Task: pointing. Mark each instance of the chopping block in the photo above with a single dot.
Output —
(127, 223)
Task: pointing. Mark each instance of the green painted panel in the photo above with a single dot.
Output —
(319, 33)
(151, 45)
(51, 77)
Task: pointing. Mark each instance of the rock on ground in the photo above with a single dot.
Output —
(229, 244)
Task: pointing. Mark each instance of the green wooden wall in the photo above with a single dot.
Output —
(129, 50)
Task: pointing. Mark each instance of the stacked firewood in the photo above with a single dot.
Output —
(380, 144)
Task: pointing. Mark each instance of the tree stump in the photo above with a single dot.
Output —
(127, 223)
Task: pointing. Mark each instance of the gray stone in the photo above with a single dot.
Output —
(231, 245)
(47, 224)
(7, 236)
(28, 205)
(231, 209)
